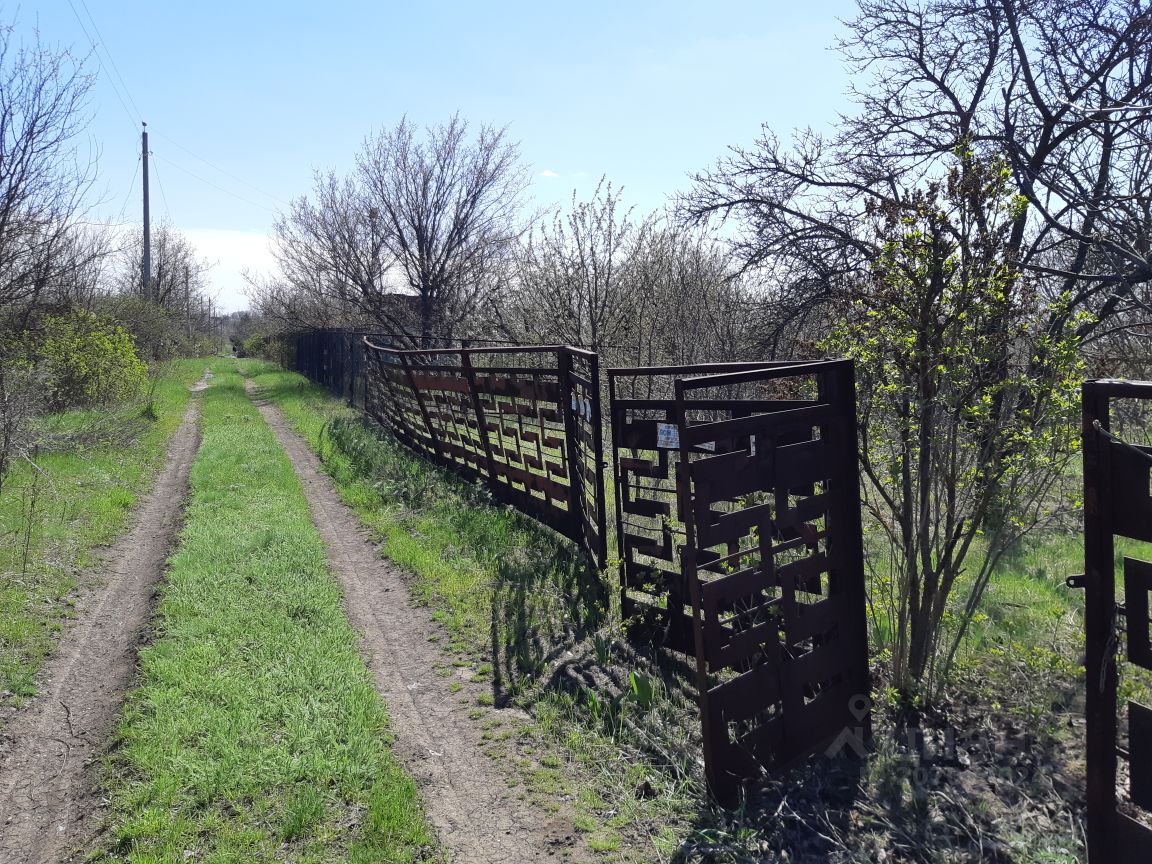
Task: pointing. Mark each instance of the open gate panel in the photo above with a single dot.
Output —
(739, 524)
(1117, 503)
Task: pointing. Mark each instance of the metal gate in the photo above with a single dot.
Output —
(1117, 503)
(738, 518)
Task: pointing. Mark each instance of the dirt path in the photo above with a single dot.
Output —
(49, 752)
(469, 802)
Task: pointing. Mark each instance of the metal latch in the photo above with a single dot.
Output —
(1077, 581)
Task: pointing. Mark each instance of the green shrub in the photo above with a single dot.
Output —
(89, 360)
(254, 345)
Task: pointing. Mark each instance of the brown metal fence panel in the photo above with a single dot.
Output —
(1117, 503)
(738, 515)
(523, 420)
(580, 370)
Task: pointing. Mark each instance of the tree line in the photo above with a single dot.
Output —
(79, 322)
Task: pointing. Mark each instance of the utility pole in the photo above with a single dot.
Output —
(146, 269)
(188, 300)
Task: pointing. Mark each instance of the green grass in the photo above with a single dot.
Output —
(520, 603)
(91, 467)
(256, 734)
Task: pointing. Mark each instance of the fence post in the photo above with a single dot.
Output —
(571, 444)
(481, 430)
(350, 366)
(431, 430)
(597, 424)
(1100, 627)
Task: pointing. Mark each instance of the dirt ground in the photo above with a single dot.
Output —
(50, 751)
(476, 815)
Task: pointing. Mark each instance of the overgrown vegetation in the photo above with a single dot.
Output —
(963, 445)
(256, 732)
(88, 360)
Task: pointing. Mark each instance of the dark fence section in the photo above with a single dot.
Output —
(738, 518)
(525, 421)
(1117, 503)
(334, 359)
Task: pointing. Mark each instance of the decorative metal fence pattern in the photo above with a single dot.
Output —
(523, 420)
(738, 517)
(1117, 503)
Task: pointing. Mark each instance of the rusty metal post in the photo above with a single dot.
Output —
(620, 485)
(837, 387)
(571, 442)
(597, 424)
(1099, 627)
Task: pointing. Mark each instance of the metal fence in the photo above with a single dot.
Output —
(738, 521)
(522, 420)
(737, 510)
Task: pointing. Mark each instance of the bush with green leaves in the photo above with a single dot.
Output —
(88, 359)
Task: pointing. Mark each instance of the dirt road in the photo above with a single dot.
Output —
(469, 802)
(49, 752)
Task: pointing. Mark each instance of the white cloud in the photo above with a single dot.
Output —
(229, 253)
(549, 174)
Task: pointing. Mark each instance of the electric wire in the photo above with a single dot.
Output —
(160, 183)
(216, 167)
(235, 195)
(100, 63)
(108, 54)
(131, 187)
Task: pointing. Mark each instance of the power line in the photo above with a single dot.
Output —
(163, 197)
(111, 59)
(100, 63)
(212, 165)
(131, 186)
(236, 195)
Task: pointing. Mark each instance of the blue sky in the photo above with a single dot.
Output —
(251, 97)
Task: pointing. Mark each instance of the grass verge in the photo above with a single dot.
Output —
(78, 496)
(255, 734)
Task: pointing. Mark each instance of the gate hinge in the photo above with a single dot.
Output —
(1077, 581)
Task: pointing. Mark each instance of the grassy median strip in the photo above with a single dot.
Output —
(88, 470)
(255, 734)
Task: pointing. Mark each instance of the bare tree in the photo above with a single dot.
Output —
(42, 176)
(173, 315)
(445, 207)
(334, 264)
(572, 277)
(687, 304)
(42, 182)
(1061, 90)
(178, 279)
